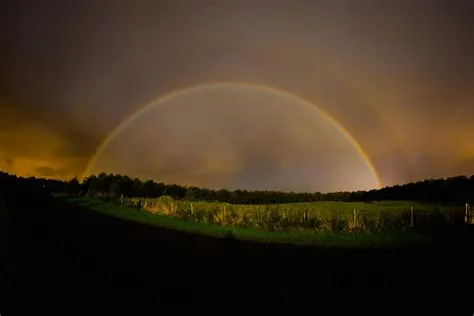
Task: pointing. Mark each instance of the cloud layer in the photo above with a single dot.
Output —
(398, 75)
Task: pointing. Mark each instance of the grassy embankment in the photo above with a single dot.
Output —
(386, 223)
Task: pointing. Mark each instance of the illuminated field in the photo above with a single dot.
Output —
(327, 223)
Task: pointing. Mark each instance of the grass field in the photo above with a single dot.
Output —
(67, 247)
(319, 223)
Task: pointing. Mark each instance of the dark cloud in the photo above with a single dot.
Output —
(466, 167)
(46, 171)
(76, 139)
(8, 161)
(77, 143)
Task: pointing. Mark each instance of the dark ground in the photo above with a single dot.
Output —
(66, 256)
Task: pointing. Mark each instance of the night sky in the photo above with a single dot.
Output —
(398, 76)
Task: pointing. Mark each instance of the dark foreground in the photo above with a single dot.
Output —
(67, 256)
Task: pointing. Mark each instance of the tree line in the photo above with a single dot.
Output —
(456, 190)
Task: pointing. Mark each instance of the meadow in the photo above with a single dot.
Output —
(322, 223)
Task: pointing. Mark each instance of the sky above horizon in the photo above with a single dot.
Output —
(398, 76)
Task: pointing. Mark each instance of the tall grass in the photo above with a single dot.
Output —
(332, 217)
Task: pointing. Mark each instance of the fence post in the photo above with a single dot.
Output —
(192, 209)
(467, 216)
(411, 217)
(355, 217)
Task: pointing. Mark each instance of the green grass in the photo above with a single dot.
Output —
(319, 238)
(320, 216)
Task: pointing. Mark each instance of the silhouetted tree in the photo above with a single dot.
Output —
(74, 187)
(454, 190)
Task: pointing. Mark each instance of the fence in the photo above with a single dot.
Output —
(413, 217)
(468, 218)
(308, 216)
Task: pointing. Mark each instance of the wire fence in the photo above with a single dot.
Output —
(468, 214)
(308, 216)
